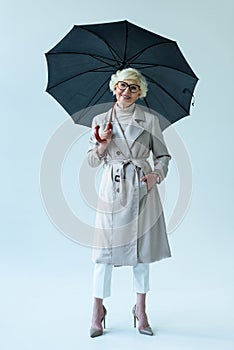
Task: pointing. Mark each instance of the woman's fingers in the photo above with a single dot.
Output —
(106, 134)
(150, 180)
(144, 178)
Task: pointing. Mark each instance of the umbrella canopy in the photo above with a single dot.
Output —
(81, 64)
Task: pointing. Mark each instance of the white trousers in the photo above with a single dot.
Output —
(102, 279)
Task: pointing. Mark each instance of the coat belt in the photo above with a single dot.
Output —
(135, 163)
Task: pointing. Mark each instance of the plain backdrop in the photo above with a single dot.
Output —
(46, 278)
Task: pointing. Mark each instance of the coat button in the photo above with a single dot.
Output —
(117, 190)
(117, 170)
(118, 153)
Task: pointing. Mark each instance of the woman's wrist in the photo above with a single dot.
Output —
(101, 152)
(101, 148)
(158, 178)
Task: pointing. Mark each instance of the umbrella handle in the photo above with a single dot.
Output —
(96, 133)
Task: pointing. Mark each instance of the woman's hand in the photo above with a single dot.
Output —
(107, 135)
(150, 179)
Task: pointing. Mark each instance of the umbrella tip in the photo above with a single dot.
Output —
(192, 95)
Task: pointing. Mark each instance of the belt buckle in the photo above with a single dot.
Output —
(117, 178)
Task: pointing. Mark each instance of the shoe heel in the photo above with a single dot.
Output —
(104, 317)
(134, 316)
(134, 321)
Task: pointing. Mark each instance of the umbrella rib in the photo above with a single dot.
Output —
(167, 92)
(87, 105)
(97, 57)
(149, 47)
(97, 70)
(163, 65)
(161, 104)
(126, 43)
(113, 52)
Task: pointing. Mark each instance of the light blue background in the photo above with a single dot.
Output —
(46, 279)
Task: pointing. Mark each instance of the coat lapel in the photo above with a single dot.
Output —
(132, 132)
(134, 129)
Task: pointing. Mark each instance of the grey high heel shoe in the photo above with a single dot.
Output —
(94, 332)
(146, 330)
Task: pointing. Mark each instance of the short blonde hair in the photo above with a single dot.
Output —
(129, 73)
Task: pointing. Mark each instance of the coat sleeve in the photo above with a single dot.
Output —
(161, 156)
(94, 159)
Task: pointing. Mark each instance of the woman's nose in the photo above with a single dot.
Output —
(127, 88)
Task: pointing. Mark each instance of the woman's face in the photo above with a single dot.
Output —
(124, 96)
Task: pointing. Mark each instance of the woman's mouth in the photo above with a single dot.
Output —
(126, 97)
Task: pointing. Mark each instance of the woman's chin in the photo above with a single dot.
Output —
(124, 103)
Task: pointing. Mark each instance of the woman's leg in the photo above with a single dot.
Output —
(141, 284)
(141, 278)
(101, 289)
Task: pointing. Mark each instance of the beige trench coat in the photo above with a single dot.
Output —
(130, 226)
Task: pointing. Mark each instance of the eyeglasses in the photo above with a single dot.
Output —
(122, 85)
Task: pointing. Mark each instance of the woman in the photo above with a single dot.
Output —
(130, 227)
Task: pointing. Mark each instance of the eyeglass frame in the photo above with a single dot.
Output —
(128, 86)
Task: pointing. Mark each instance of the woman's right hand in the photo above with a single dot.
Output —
(107, 135)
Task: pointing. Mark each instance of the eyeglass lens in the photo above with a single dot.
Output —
(122, 85)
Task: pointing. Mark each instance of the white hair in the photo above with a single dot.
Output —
(129, 73)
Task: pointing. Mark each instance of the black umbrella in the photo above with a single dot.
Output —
(80, 66)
